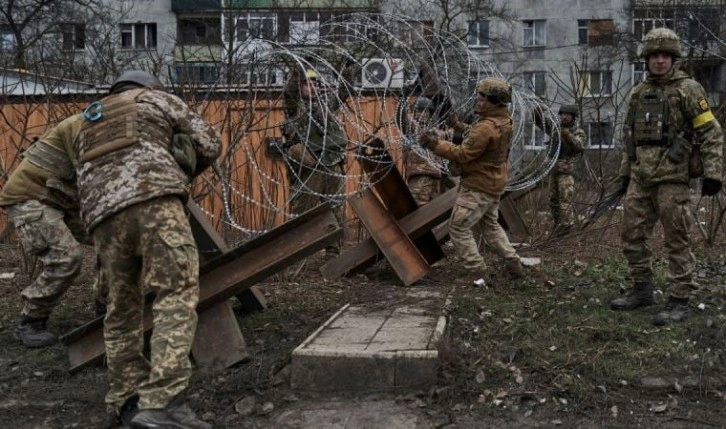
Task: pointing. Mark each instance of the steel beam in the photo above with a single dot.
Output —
(399, 250)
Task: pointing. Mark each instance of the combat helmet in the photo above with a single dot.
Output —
(138, 77)
(495, 88)
(423, 103)
(661, 40)
(570, 109)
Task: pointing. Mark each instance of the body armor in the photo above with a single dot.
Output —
(650, 119)
(498, 155)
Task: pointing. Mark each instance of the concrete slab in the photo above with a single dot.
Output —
(364, 349)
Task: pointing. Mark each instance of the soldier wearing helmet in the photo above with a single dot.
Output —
(668, 117)
(132, 190)
(571, 139)
(316, 143)
(484, 160)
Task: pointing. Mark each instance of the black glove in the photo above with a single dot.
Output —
(710, 187)
(624, 183)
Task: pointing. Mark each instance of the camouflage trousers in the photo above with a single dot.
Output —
(44, 232)
(473, 208)
(562, 189)
(148, 246)
(643, 206)
(424, 188)
(312, 187)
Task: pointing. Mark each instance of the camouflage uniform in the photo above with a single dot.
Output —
(665, 115)
(483, 157)
(40, 199)
(316, 172)
(131, 190)
(562, 188)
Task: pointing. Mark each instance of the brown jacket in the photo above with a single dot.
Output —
(484, 154)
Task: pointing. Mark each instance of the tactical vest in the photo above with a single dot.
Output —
(117, 128)
(650, 121)
(499, 154)
(50, 158)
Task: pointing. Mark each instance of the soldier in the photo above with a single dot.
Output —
(41, 201)
(572, 144)
(483, 158)
(423, 178)
(666, 113)
(317, 152)
(137, 152)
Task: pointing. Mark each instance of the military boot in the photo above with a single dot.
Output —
(176, 415)
(515, 269)
(676, 310)
(640, 296)
(33, 332)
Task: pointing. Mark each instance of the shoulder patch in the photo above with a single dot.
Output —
(703, 104)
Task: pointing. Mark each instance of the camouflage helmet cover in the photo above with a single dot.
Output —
(570, 109)
(661, 40)
(138, 77)
(496, 88)
(423, 103)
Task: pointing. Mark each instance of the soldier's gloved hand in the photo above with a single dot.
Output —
(710, 187)
(624, 183)
(429, 139)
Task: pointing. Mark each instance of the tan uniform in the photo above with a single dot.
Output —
(484, 158)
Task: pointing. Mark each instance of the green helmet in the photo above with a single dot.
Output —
(423, 103)
(495, 88)
(661, 40)
(138, 77)
(570, 109)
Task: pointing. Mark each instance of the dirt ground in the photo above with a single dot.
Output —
(544, 352)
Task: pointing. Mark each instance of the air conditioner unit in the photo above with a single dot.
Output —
(383, 73)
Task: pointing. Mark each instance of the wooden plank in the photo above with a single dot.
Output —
(419, 222)
(511, 219)
(218, 343)
(392, 240)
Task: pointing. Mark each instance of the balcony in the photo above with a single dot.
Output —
(198, 53)
(196, 6)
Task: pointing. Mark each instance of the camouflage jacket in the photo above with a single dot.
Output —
(30, 181)
(144, 169)
(484, 154)
(572, 143)
(315, 123)
(416, 164)
(688, 111)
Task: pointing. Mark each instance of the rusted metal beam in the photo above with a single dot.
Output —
(393, 241)
(394, 193)
(211, 245)
(420, 222)
(227, 275)
(218, 342)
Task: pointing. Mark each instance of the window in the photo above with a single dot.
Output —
(534, 33)
(595, 32)
(535, 82)
(595, 83)
(304, 28)
(200, 31)
(7, 40)
(196, 73)
(138, 36)
(479, 34)
(645, 20)
(599, 134)
(639, 72)
(256, 75)
(534, 137)
(74, 36)
(358, 31)
(256, 26)
(413, 33)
